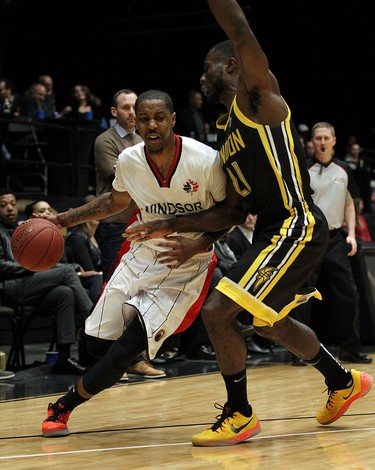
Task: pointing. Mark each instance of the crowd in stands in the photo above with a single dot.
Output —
(92, 248)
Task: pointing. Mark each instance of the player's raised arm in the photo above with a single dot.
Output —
(258, 93)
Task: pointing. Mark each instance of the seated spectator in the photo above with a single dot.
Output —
(84, 247)
(84, 105)
(10, 100)
(35, 105)
(10, 105)
(57, 290)
(239, 240)
(47, 81)
(241, 237)
(80, 250)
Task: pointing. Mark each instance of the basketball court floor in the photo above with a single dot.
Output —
(148, 423)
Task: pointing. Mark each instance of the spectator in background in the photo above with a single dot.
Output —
(304, 133)
(241, 237)
(84, 105)
(353, 156)
(355, 160)
(10, 100)
(84, 247)
(309, 149)
(190, 120)
(362, 231)
(107, 147)
(79, 252)
(10, 105)
(57, 290)
(47, 81)
(35, 105)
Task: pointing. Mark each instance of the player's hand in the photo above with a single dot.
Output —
(51, 218)
(143, 232)
(180, 249)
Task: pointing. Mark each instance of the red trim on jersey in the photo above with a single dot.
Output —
(165, 182)
(197, 305)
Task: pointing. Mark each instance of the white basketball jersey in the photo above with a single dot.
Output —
(194, 183)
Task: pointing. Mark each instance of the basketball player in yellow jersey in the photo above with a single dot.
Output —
(267, 175)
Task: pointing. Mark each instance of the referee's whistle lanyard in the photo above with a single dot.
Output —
(322, 165)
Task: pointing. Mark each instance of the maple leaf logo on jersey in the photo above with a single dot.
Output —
(191, 186)
(263, 276)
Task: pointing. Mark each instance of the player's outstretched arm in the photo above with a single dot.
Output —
(99, 208)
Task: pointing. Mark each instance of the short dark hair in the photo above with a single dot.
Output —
(223, 49)
(7, 191)
(126, 91)
(155, 95)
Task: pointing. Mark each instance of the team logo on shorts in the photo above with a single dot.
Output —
(263, 276)
(159, 335)
(191, 186)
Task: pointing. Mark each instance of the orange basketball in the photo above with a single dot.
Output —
(37, 244)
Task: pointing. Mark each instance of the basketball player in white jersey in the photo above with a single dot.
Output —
(145, 302)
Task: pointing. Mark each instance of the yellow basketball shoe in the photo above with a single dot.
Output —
(230, 429)
(340, 400)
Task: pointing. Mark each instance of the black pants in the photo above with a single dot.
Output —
(340, 305)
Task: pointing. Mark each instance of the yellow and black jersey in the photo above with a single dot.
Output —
(267, 166)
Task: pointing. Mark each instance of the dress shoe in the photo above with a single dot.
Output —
(6, 374)
(70, 366)
(145, 369)
(255, 348)
(355, 358)
(171, 355)
(202, 352)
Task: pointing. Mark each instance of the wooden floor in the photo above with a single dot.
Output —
(148, 425)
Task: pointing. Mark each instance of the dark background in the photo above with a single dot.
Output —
(322, 53)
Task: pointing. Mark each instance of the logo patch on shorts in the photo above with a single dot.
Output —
(159, 335)
(264, 275)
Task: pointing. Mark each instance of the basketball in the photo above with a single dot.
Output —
(37, 244)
